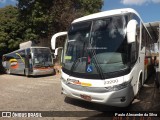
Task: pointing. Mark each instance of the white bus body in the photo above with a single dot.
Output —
(106, 58)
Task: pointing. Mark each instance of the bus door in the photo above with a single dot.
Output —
(28, 62)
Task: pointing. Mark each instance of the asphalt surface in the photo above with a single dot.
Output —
(19, 93)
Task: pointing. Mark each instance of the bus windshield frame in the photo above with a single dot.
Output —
(42, 57)
(102, 40)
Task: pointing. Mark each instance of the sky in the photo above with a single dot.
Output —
(148, 9)
(3, 3)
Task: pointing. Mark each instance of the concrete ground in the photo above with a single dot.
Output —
(19, 93)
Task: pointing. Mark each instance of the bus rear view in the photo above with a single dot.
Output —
(103, 58)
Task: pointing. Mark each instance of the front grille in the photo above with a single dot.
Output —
(88, 89)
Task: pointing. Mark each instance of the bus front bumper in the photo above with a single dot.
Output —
(120, 98)
(43, 72)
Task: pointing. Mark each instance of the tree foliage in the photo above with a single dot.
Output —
(39, 19)
(63, 12)
(45, 19)
(10, 29)
(35, 14)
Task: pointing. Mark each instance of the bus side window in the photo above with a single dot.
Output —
(143, 37)
(21, 55)
(28, 53)
(135, 45)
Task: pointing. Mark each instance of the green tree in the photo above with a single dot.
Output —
(43, 19)
(10, 29)
(35, 15)
(39, 19)
(63, 12)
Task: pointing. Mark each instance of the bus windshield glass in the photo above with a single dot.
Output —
(99, 42)
(42, 57)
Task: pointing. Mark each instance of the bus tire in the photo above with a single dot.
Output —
(8, 71)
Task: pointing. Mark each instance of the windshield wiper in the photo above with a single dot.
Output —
(95, 61)
(38, 65)
(99, 70)
(48, 65)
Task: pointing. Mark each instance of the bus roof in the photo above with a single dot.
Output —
(23, 49)
(106, 13)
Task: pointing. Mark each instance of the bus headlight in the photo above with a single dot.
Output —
(119, 87)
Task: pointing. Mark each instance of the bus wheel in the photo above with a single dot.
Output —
(8, 71)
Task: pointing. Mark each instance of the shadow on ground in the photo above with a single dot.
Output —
(37, 76)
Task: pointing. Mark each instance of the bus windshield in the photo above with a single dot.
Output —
(102, 41)
(42, 57)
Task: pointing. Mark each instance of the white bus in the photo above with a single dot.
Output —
(29, 61)
(106, 58)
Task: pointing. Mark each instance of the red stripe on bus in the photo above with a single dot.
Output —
(42, 68)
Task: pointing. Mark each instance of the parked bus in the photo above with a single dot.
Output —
(106, 58)
(29, 61)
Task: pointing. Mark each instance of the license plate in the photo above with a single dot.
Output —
(86, 97)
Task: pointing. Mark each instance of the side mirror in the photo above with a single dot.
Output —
(56, 51)
(54, 37)
(53, 56)
(131, 31)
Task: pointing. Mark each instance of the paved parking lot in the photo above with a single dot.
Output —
(19, 93)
